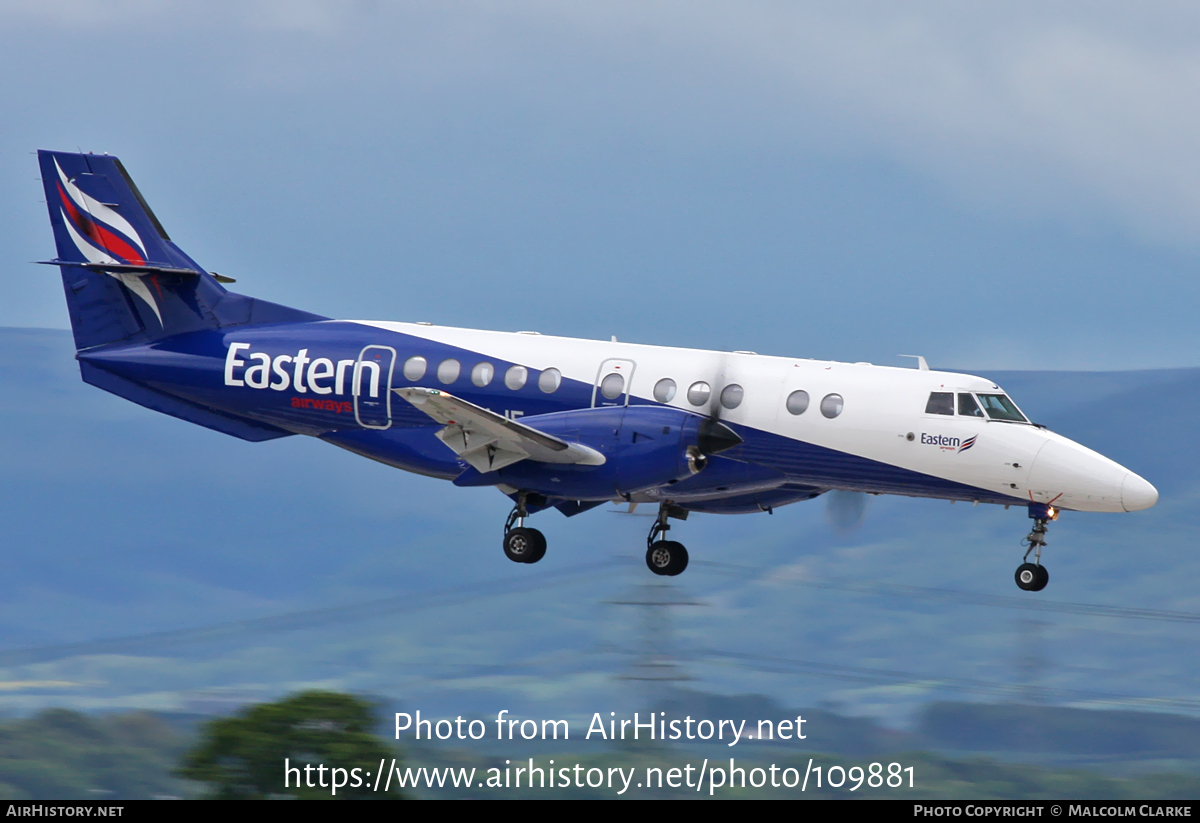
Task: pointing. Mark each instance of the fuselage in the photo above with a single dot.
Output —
(551, 422)
(807, 426)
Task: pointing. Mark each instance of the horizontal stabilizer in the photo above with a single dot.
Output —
(131, 268)
(488, 441)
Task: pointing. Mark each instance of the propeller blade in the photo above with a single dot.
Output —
(714, 436)
(845, 511)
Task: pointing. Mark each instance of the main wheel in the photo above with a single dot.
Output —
(1031, 577)
(667, 557)
(539, 547)
(522, 545)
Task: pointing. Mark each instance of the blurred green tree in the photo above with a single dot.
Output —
(243, 757)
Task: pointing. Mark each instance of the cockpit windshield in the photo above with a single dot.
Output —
(999, 407)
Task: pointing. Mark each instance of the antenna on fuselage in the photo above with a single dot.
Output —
(921, 364)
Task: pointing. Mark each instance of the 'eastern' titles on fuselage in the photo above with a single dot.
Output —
(298, 372)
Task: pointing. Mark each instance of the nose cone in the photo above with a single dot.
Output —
(1137, 494)
(1074, 477)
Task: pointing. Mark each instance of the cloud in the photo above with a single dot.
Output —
(1080, 113)
(1085, 113)
(1050, 116)
(74, 14)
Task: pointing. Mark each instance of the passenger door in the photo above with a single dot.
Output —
(372, 387)
(614, 381)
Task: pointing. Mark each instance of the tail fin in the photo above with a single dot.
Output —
(124, 278)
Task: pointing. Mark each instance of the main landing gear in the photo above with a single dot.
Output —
(521, 544)
(1033, 577)
(526, 545)
(666, 557)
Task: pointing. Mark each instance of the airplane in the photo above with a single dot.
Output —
(552, 422)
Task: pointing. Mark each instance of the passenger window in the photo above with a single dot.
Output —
(698, 392)
(664, 390)
(448, 370)
(414, 367)
(549, 380)
(612, 385)
(831, 405)
(731, 396)
(797, 402)
(940, 402)
(482, 374)
(515, 377)
(968, 407)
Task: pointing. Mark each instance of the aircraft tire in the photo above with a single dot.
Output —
(522, 545)
(539, 547)
(1043, 578)
(667, 557)
(1031, 577)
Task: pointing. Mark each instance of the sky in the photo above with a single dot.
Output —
(993, 187)
(1006, 187)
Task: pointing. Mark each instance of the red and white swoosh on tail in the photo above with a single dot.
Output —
(93, 254)
(74, 198)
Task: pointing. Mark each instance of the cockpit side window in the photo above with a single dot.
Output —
(999, 407)
(940, 402)
(967, 406)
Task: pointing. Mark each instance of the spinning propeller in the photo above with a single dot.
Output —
(845, 511)
(714, 436)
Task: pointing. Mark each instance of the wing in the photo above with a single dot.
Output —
(489, 441)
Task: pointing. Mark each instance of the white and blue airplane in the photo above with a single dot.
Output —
(551, 422)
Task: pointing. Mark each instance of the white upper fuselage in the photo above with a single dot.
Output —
(883, 416)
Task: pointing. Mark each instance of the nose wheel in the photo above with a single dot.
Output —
(666, 557)
(1033, 577)
(522, 544)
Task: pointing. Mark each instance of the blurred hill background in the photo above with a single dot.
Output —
(154, 565)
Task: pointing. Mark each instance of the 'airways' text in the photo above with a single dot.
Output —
(338, 406)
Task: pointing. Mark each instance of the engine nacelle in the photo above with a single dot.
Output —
(645, 447)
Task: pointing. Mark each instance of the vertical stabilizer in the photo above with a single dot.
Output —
(125, 281)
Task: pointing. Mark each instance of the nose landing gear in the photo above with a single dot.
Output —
(666, 557)
(521, 544)
(1033, 577)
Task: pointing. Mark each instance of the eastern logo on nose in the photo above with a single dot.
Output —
(948, 444)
